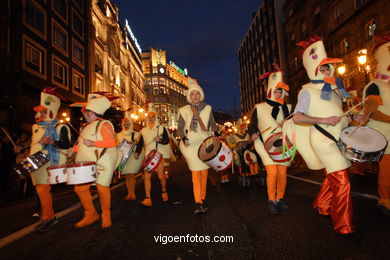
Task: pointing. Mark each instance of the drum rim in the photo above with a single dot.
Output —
(367, 127)
(289, 146)
(350, 148)
(71, 165)
(58, 166)
(144, 163)
(215, 153)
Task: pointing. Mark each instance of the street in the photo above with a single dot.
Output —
(298, 233)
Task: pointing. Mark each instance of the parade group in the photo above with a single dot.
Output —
(315, 130)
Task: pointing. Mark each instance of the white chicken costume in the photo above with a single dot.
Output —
(195, 122)
(320, 99)
(378, 105)
(154, 137)
(132, 166)
(266, 117)
(103, 151)
(47, 126)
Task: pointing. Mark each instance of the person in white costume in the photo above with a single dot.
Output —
(266, 117)
(319, 107)
(132, 166)
(154, 137)
(378, 106)
(96, 143)
(196, 120)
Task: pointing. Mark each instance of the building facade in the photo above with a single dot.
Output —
(262, 46)
(352, 26)
(47, 45)
(116, 65)
(165, 85)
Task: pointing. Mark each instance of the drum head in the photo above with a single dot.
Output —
(365, 139)
(274, 144)
(209, 148)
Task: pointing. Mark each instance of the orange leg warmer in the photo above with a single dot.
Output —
(384, 181)
(90, 214)
(105, 204)
(43, 191)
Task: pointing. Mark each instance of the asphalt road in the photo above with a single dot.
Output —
(241, 214)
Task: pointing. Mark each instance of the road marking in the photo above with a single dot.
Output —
(364, 195)
(29, 229)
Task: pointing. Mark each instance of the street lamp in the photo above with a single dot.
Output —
(362, 59)
(341, 70)
(362, 56)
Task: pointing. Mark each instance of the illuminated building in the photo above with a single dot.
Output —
(165, 85)
(116, 65)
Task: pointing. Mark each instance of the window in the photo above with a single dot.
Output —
(77, 24)
(360, 3)
(344, 46)
(78, 53)
(60, 38)
(154, 81)
(79, 4)
(156, 90)
(163, 108)
(148, 81)
(162, 90)
(78, 83)
(34, 58)
(98, 64)
(35, 18)
(370, 28)
(60, 8)
(60, 73)
(337, 12)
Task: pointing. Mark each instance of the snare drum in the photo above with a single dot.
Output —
(274, 147)
(31, 164)
(152, 161)
(79, 173)
(57, 174)
(215, 153)
(127, 149)
(364, 145)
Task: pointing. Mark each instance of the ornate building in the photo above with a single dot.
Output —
(165, 85)
(46, 44)
(262, 46)
(352, 26)
(116, 65)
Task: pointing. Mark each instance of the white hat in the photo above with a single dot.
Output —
(314, 56)
(275, 81)
(98, 102)
(382, 55)
(193, 85)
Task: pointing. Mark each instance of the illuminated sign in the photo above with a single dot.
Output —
(184, 72)
(132, 36)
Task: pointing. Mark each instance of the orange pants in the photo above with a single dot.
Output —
(276, 181)
(335, 199)
(384, 182)
(199, 184)
(44, 194)
(160, 174)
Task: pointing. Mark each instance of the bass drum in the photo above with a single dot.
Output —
(274, 147)
(80, 173)
(57, 174)
(152, 161)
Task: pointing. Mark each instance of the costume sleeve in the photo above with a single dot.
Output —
(180, 127)
(107, 133)
(140, 144)
(212, 124)
(303, 102)
(63, 140)
(165, 137)
(252, 127)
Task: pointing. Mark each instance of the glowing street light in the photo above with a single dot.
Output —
(341, 69)
(362, 56)
(64, 114)
(67, 119)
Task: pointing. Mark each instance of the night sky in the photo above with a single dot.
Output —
(200, 35)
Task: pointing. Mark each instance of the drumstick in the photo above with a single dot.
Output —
(76, 130)
(279, 125)
(8, 135)
(352, 108)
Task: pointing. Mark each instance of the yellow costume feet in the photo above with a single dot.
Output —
(164, 196)
(87, 220)
(147, 202)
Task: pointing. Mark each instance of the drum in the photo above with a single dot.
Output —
(57, 174)
(31, 164)
(152, 161)
(363, 145)
(215, 153)
(127, 149)
(274, 147)
(79, 173)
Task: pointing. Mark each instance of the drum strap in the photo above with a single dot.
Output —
(196, 114)
(326, 133)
